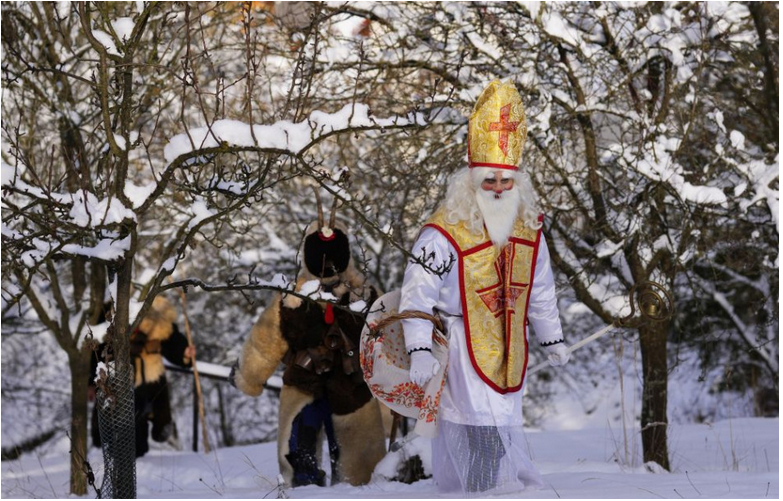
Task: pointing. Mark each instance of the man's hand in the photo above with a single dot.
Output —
(558, 354)
(189, 353)
(423, 367)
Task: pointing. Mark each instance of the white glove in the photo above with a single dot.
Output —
(423, 367)
(558, 354)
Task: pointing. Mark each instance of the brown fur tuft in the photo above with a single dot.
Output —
(362, 443)
(262, 352)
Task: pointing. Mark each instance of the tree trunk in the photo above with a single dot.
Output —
(123, 452)
(79, 362)
(654, 420)
(757, 11)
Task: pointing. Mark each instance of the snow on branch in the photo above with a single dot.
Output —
(85, 210)
(283, 135)
(762, 176)
(659, 164)
(107, 249)
(745, 330)
(88, 211)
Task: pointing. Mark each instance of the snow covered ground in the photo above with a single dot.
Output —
(736, 458)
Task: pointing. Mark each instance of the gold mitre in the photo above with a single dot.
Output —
(497, 128)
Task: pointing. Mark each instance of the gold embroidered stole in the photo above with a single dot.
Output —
(495, 288)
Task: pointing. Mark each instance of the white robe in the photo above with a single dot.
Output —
(466, 399)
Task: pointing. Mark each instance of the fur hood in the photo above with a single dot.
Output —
(158, 323)
(349, 280)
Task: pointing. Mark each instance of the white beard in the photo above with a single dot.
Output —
(499, 213)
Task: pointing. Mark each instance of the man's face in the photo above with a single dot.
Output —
(497, 182)
(498, 201)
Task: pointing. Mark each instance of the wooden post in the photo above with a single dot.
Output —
(196, 379)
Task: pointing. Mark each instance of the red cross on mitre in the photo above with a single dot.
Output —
(504, 127)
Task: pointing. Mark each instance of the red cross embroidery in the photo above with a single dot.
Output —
(504, 127)
(502, 297)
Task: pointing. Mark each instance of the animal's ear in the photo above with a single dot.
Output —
(333, 213)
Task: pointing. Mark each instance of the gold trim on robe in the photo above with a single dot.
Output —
(495, 290)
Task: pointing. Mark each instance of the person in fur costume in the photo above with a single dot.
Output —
(323, 391)
(156, 337)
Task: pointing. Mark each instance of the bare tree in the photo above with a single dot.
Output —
(111, 86)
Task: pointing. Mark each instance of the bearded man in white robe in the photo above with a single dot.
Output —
(489, 228)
